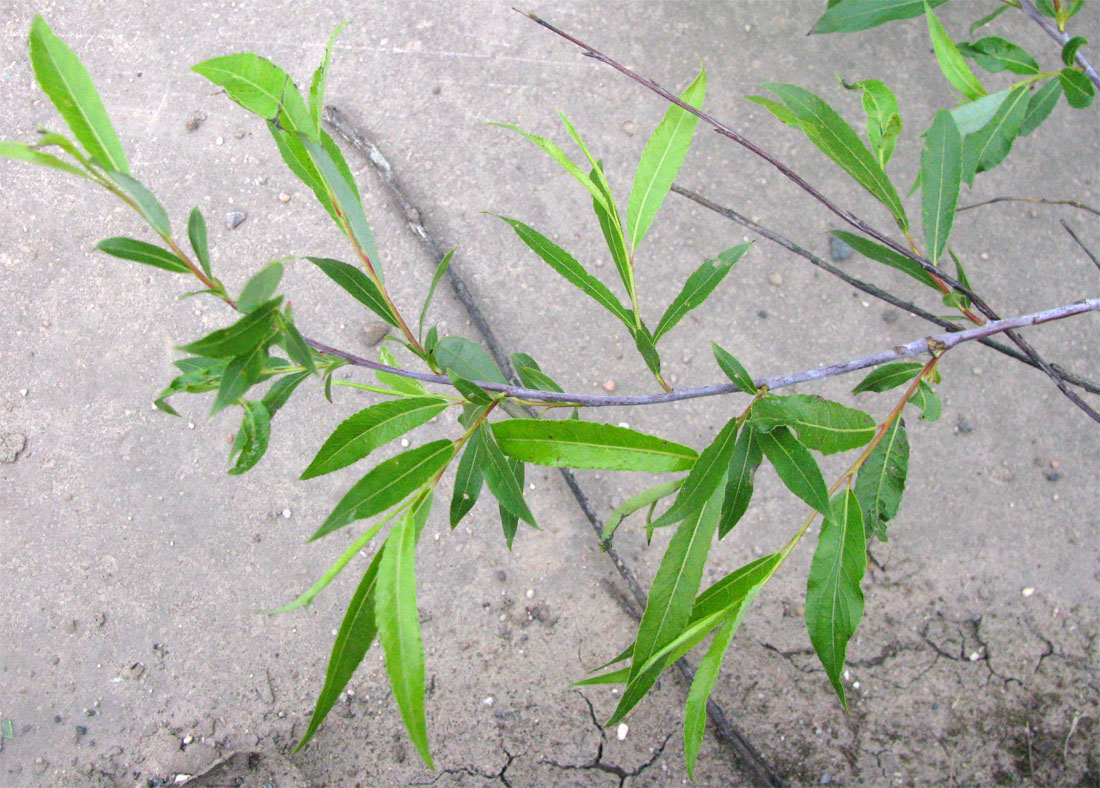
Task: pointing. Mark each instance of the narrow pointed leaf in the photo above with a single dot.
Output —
(531, 374)
(881, 480)
(509, 522)
(239, 338)
(886, 256)
(849, 16)
(995, 54)
(986, 148)
(707, 474)
(64, 80)
(499, 474)
(834, 599)
(300, 161)
(941, 162)
(252, 438)
(24, 152)
(557, 154)
(360, 434)
(262, 88)
(469, 479)
(473, 393)
(407, 386)
(1040, 105)
(889, 376)
(386, 485)
(440, 270)
(147, 205)
(643, 340)
(661, 160)
(261, 287)
(744, 461)
(1078, 88)
(775, 108)
(796, 467)
(361, 288)
(822, 425)
(733, 369)
(336, 177)
(281, 390)
(320, 77)
(589, 445)
(468, 359)
(985, 20)
(240, 374)
(612, 229)
(295, 344)
(141, 252)
(620, 676)
(699, 285)
(951, 62)
(639, 501)
(196, 233)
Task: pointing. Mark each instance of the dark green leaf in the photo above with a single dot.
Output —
(510, 522)
(262, 88)
(1078, 88)
(473, 393)
(358, 284)
(340, 187)
(698, 286)
(251, 441)
(468, 360)
(440, 270)
(587, 444)
(986, 148)
(147, 205)
(883, 118)
(848, 16)
(468, 481)
(796, 467)
(66, 83)
(281, 390)
(822, 425)
(24, 152)
(951, 62)
(941, 162)
(1069, 51)
(531, 374)
(889, 376)
(733, 369)
(834, 599)
(706, 475)
(141, 252)
(996, 54)
(196, 232)
(985, 20)
(320, 77)
(499, 473)
(1040, 105)
(886, 256)
(240, 338)
(240, 374)
(295, 344)
(360, 434)
(261, 287)
(389, 483)
(881, 480)
(744, 461)
(639, 501)
(661, 160)
(928, 402)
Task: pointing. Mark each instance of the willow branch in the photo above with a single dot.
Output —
(1071, 203)
(1080, 243)
(1028, 7)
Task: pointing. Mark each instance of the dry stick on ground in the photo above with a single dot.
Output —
(849, 217)
(1080, 243)
(746, 755)
(1071, 203)
(1028, 7)
(872, 290)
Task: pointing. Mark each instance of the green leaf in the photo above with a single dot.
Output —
(661, 160)
(1078, 88)
(531, 374)
(141, 252)
(848, 16)
(295, 344)
(647, 348)
(733, 369)
(941, 162)
(261, 287)
(834, 599)
(440, 269)
(356, 634)
(320, 77)
(281, 390)
(251, 441)
(407, 386)
(928, 402)
(985, 20)
(836, 139)
(240, 338)
(399, 629)
(468, 359)
(240, 374)
(1069, 51)
(589, 445)
(796, 467)
(985, 149)
(889, 376)
(706, 475)
(776, 109)
(822, 425)
(612, 228)
(473, 393)
(499, 474)
(262, 88)
(671, 597)
(344, 196)
(886, 256)
(373, 427)
(1040, 105)
(387, 484)
(66, 83)
(361, 288)
(468, 481)
(951, 62)
(995, 54)
(196, 233)
(145, 203)
(975, 115)
(744, 461)
(639, 501)
(570, 269)
(883, 118)
(881, 480)
(706, 676)
(509, 522)
(301, 163)
(698, 286)
(24, 152)
(554, 152)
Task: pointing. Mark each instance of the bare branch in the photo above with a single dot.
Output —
(1080, 243)
(1071, 203)
(1028, 7)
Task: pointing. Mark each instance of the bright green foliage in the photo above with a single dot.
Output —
(587, 444)
(699, 285)
(469, 479)
(251, 440)
(261, 287)
(240, 374)
(410, 387)
(320, 78)
(1078, 88)
(1069, 51)
(196, 233)
(468, 360)
(951, 61)
(707, 474)
(440, 270)
(986, 148)
(145, 253)
(240, 338)
(822, 425)
(24, 152)
(928, 402)
(531, 374)
(144, 202)
(941, 163)
(883, 118)
(848, 16)
(262, 88)
(996, 54)
(643, 499)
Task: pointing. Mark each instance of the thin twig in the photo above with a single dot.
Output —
(1071, 203)
(849, 217)
(1080, 243)
(1028, 7)
(936, 343)
(871, 289)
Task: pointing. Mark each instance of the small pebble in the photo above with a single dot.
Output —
(621, 731)
(609, 386)
(501, 576)
(762, 314)
(628, 127)
(975, 656)
(964, 426)
(530, 593)
(775, 280)
(1028, 591)
(624, 425)
(889, 316)
(839, 250)
(219, 141)
(1053, 476)
(404, 443)
(488, 701)
(286, 514)
(1055, 464)
(826, 779)
(376, 332)
(284, 197)
(81, 730)
(195, 121)
(233, 219)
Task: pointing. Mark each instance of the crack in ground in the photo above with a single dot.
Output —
(471, 772)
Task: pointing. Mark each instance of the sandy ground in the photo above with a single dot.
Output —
(132, 566)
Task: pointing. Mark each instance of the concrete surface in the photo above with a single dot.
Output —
(132, 567)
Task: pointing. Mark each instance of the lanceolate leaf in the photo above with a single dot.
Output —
(239, 376)
(941, 163)
(569, 268)
(531, 374)
(358, 284)
(399, 629)
(708, 472)
(239, 338)
(796, 467)
(251, 441)
(889, 376)
(928, 402)
(986, 148)
(661, 160)
(881, 480)
(500, 476)
(611, 227)
(281, 390)
(837, 140)
(468, 360)
(147, 205)
(408, 386)
(64, 80)
(295, 344)
(639, 501)
(320, 77)
(643, 340)
(141, 252)
(345, 196)
(556, 153)
(848, 16)
(359, 435)
(510, 522)
(996, 54)
(196, 233)
(24, 152)
(440, 270)
(698, 286)
(259, 289)
(388, 484)
(834, 599)
(822, 425)
(1040, 105)
(744, 461)
(468, 482)
(733, 369)
(885, 256)
(951, 62)
(262, 88)
(473, 393)
(587, 444)
(776, 109)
